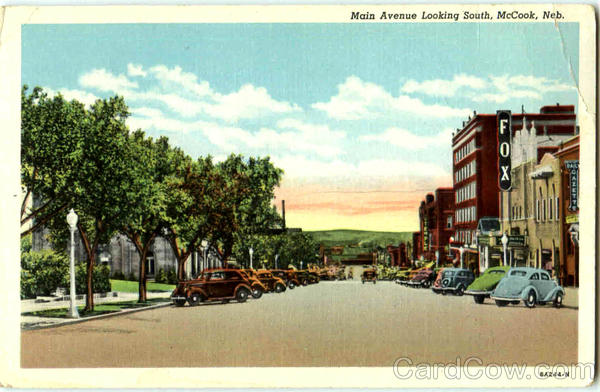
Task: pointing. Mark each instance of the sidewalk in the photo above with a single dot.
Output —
(46, 303)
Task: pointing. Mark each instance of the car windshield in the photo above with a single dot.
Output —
(448, 274)
(518, 273)
(499, 272)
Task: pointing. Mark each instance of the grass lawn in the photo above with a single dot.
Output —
(98, 309)
(126, 286)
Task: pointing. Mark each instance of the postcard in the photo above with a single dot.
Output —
(298, 196)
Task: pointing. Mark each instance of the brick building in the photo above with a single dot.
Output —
(436, 215)
(475, 161)
(399, 255)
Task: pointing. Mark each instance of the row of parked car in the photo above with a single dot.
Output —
(226, 284)
(503, 284)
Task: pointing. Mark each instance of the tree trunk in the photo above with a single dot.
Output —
(89, 300)
(142, 276)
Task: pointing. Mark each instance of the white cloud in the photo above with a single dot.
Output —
(136, 70)
(407, 140)
(79, 95)
(498, 89)
(357, 99)
(103, 80)
(444, 88)
(186, 80)
(248, 102)
(146, 112)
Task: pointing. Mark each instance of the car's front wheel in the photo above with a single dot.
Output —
(531, 299)
(460, 291)
(194, 299)
(558, 300)
(478, 299)
(242, 294)
(304, 282)
(501, 303)
(291, 285)
(279, 288)
(257, 293)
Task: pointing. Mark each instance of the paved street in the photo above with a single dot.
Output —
(329, 324)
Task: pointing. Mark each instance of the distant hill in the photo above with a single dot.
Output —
(359, 238)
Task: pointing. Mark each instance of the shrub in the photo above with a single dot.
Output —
(161, 276)
(43, 272)
(131, 277)
(28, 286)
(100, 278)
(171, 276)
(118, 275)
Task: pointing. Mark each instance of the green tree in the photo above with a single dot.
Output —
(192, 207)
(51, 136)
(245, 203)
(105, 186)
(154, 163)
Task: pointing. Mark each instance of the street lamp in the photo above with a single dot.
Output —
(72, 222)
(437, 258)
(251, 251)
(504, 244)
(461, 250)
(204, 246)
(276, 258)
(300, 265)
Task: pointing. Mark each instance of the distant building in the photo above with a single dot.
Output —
(399, 256)
(436, 220)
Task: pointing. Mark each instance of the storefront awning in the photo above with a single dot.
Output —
(542, 172)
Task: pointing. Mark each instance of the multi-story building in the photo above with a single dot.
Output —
(436, 216)
(530, 210)
(475, 160)
(399, 255)
(568, 269)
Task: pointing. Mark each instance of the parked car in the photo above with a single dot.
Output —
(369, 275)
(258, 288)
(305, 277)
(288, 277)
(272, 283)
(454, 280)
(424, 278)
(482, 287)
(212, 285)
(531, 285)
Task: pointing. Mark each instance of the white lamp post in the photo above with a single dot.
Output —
(204, 247)
(276, 258)
(300, 265)
(461, 250)
(504, 244)
(72, 221)
(251, 251)
(437, 258)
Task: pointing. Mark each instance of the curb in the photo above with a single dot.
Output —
(101, 316)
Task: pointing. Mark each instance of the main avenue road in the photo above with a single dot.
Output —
(328, 324)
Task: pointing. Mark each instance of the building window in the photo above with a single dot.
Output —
(557, 210)
(537, 210)
(544, 210)
(550, 208)
(449, 222)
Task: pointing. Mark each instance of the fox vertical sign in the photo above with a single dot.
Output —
(504, 118)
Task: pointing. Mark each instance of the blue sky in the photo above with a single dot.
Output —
(344, 108)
